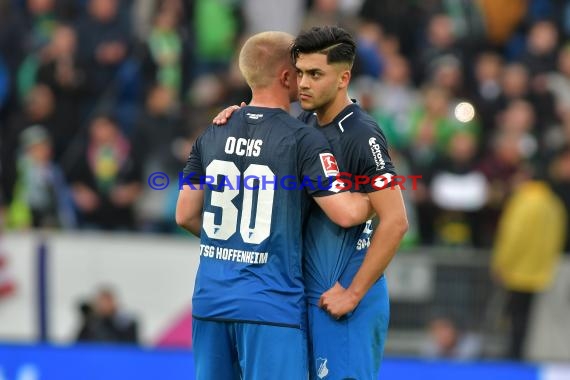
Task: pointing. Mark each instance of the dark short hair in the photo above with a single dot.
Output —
(333, 41)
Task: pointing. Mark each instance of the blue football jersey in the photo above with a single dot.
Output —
(333, 253)
(258, 173)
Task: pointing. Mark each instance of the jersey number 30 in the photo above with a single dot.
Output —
(255, 232)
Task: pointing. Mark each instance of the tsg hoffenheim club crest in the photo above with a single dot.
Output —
(322, 369)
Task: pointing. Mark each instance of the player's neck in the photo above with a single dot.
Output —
(270, 98)
(327, 114)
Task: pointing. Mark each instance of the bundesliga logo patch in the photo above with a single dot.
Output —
(330, 167)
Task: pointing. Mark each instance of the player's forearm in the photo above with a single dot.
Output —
(195, 226)
(360, 209)
(345, 209)
(189, 209)
(192, 225)
(353, 210)
(190, 220)
(383, 247)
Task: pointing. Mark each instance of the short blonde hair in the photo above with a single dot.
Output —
(262, 57)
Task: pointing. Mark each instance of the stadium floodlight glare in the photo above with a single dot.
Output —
(464, 112)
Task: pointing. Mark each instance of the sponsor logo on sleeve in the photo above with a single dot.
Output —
(376, 153)
(330, 167)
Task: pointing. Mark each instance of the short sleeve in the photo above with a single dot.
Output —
(194, 170)
(369, 149)
(317, 165)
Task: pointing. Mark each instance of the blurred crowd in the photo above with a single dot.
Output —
(95, 95)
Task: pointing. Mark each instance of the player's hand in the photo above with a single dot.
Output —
(222, 117)
(338, 301)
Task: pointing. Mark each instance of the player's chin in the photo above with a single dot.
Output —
(306, 105)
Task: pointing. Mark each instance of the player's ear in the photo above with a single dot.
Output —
(344, 79)
(285, 78)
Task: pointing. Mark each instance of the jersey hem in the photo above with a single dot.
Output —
(277, 324)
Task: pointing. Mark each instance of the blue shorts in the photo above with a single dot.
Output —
(351, 347)
(234, 351)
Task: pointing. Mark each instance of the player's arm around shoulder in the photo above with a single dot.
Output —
(223, 117)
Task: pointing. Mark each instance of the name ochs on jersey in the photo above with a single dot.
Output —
(243, 147)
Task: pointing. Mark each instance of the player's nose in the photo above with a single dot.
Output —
(303, 82)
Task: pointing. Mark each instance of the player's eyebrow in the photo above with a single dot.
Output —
(311, 71)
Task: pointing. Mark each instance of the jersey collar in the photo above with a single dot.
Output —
(343, 115)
